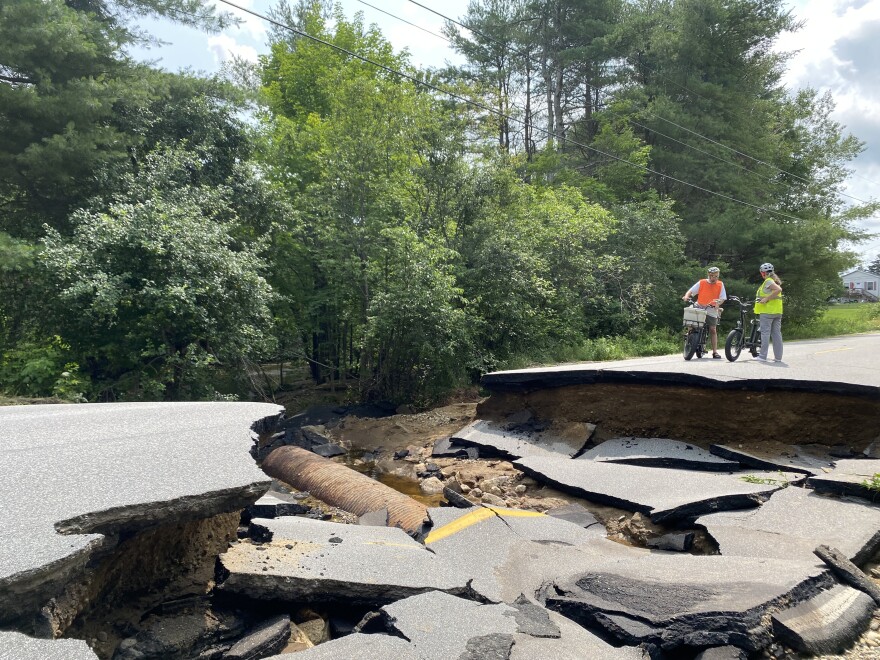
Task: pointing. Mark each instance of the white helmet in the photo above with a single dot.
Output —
(767, 268)
(713, 269)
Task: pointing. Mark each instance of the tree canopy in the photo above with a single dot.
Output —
(160, 234)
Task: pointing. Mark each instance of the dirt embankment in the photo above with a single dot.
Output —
(767, 420)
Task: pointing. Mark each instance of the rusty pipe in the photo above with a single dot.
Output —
(340, 486)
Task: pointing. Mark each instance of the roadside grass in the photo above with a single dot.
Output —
(845, 319)
(653, 342)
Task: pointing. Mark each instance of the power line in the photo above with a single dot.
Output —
(486, 108)
(526, 55)
(740, 153)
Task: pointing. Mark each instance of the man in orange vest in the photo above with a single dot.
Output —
(710, 294)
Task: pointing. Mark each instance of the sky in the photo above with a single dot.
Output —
(836, 49)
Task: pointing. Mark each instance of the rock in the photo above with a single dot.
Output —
(520, 489)
(680, 542)
(274, 504)
(317, 630)
(841, 451)
(431, 486)
(185, 636)
(443, 448)
(476, 492)
(827, 623)
(492, 500)
(402, 453)
(872, 450)
(457, 500)
(316, 435)
(328, 450)
(265, 639)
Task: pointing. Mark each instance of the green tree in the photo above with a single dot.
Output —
(154, 288)
(64, 77)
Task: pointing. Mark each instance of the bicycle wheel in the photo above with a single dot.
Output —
(733, 345)
(755, 345)
(691, 339)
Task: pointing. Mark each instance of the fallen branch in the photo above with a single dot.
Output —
(847, 571)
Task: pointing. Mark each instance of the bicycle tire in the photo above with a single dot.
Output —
(733, 344)
(755, 346)
(690, 344)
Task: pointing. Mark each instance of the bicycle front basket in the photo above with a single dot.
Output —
(694, 317)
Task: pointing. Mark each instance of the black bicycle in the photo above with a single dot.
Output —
(739, 338)
(695, 332)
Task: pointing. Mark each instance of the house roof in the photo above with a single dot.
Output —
(860, 272)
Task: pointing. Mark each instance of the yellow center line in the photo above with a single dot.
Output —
(473, 518)
(834, 350)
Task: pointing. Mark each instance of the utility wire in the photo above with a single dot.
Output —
(740, 153)
(522, 54)
(486, 108)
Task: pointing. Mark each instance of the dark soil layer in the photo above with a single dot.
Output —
(700, 415)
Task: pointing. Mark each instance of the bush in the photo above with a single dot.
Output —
(42, 369)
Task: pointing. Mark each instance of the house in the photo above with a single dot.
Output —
(861, 285)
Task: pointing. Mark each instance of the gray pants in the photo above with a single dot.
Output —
(771, 329)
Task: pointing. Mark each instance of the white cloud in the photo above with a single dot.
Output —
(224, 47)
(838, 49)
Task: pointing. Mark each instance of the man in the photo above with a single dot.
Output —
(710, 294)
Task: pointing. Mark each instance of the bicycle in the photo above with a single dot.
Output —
(737, 339)
(695, 332)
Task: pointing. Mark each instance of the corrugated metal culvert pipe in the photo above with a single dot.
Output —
(345, 488)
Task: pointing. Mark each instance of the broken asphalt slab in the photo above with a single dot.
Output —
(827, 623)
(674, 601)
(318, 561)
(658, 452)
(493, 439)
(15, 646)
(461, 538)
(438, 626)
(793, 522)
(801, 462)
(110, 468)
(850, 477)
(663, 494)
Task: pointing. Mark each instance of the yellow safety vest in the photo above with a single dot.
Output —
(770, 307)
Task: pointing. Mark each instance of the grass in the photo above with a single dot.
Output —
(873, 483)
(846, 319)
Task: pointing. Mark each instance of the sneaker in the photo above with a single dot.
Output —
(715, 356)
(777, 359)
(759, 358)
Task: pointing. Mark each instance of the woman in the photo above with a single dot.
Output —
(768, 305)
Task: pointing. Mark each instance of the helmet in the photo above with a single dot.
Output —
(713, 269)
(766, 268)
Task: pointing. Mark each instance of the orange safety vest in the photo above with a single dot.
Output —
(708, 292)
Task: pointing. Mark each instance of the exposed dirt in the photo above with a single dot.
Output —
(763, 422)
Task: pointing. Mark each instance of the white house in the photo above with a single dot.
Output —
(862, 285)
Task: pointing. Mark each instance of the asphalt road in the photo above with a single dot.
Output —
(853, 362)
